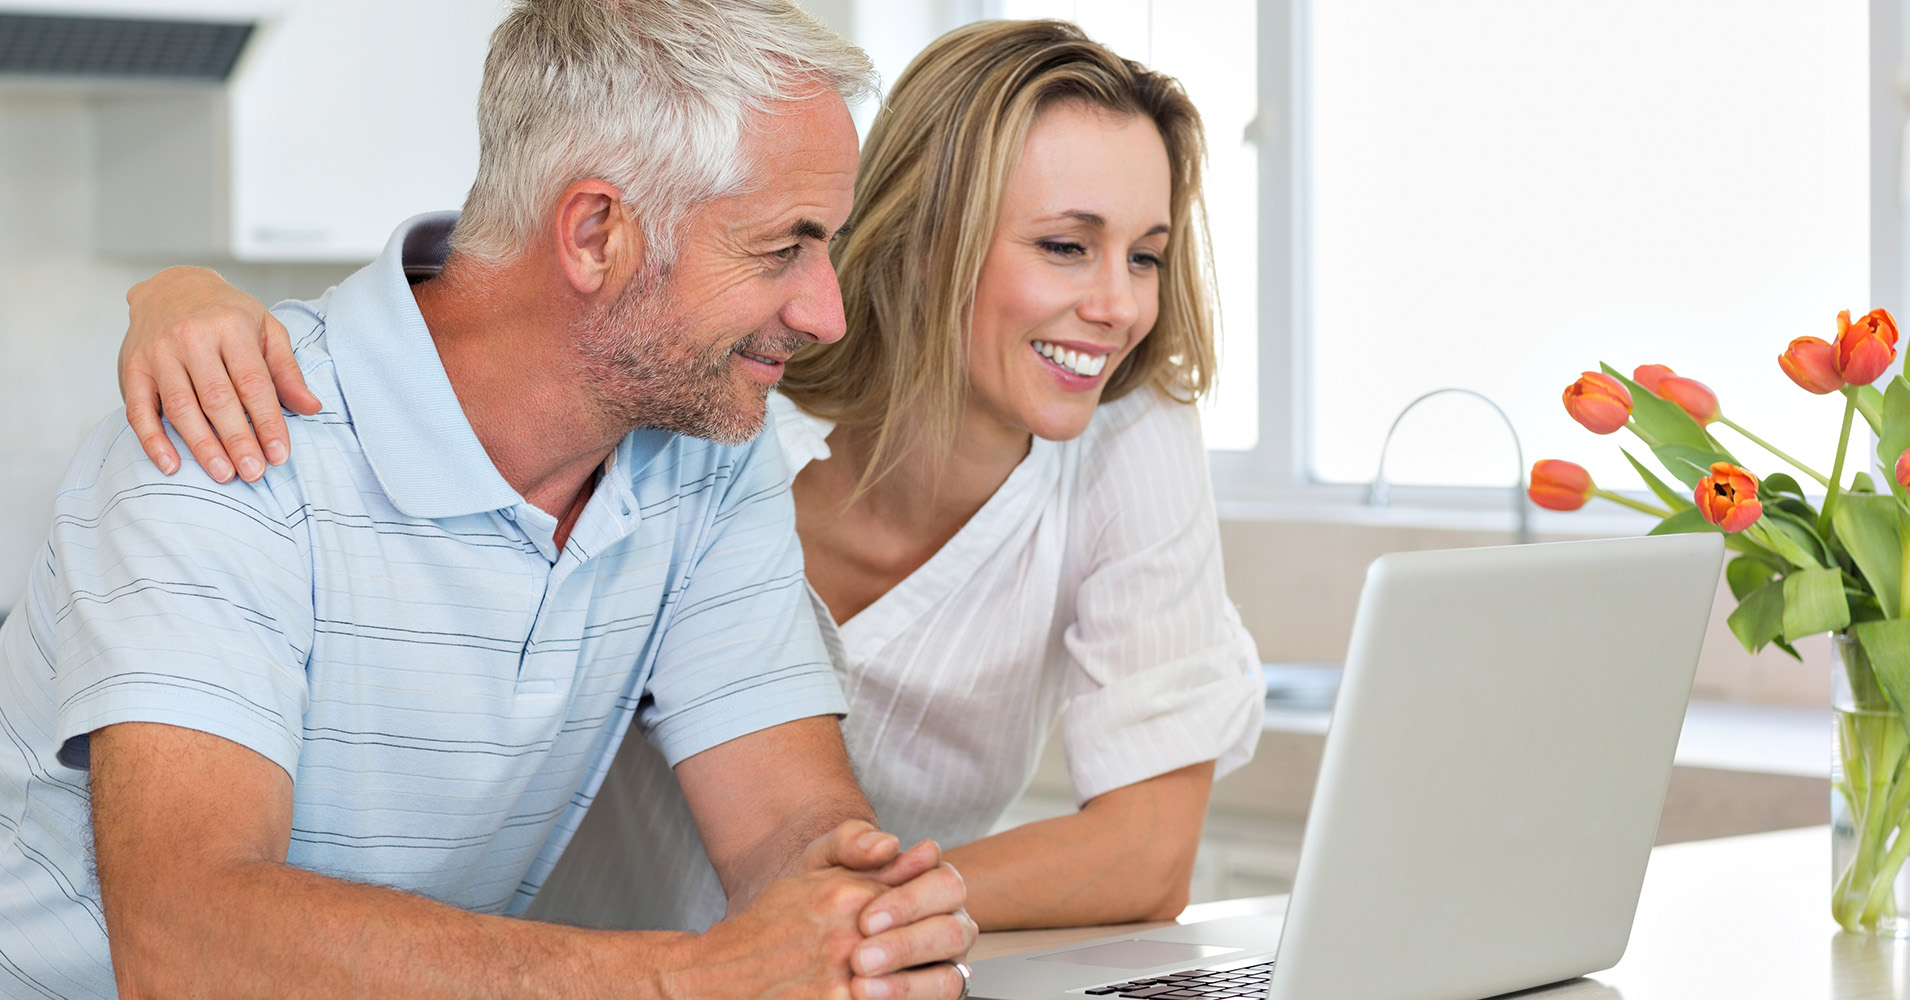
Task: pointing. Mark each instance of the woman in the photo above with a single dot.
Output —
(1000, 492)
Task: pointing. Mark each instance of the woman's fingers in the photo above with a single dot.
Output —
(142, 412)
(180, 402)
(293, 393)
(213, 380)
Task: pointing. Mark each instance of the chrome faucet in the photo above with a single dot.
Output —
(1376, 492)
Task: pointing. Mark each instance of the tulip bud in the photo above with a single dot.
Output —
(1650, 375)
(1865, 348)
(1598, 401)
(1559, 485)
(1728, 498)
(1812, 364)
(1691, 395)
(1903, 469)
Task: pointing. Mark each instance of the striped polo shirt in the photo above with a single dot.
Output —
(385, 618)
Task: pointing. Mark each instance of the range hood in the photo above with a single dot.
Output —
(181, 41)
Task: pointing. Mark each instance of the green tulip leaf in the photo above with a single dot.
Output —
(1688, 465)
(1861, 483)
(1869, 403)
(1685, 522)
(1863, 606)
(1895, 436)
(1793, 538)
(1788, 651)
(1672, 498)
(1778, 482)
(1867, 525)
(1792, 506)
(1662, 420)
(1751, 547)
(1759, 618)
(1814, 602)
(1887, 647)
(1746, 574)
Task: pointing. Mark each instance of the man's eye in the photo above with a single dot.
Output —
(787, 254)
(1063, 248)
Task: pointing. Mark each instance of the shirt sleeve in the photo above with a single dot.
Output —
(742, 651)
(1164, 673)
(177, 600)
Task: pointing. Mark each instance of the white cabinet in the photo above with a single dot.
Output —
(343, 118)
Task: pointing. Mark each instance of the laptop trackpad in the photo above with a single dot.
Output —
(1136, 954)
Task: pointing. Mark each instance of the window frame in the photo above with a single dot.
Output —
(1271, 481)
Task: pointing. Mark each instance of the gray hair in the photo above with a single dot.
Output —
(651, 96)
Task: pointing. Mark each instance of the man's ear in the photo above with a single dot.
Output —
(597, 237)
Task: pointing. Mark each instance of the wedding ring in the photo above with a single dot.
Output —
(968, 978)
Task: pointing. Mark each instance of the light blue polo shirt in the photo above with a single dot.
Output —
(387, 619)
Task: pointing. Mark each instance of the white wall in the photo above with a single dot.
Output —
(63, 310)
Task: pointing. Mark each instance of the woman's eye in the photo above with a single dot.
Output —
(1063, 248)
(1146, 259)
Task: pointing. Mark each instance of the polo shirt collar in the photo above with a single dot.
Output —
(403, 410)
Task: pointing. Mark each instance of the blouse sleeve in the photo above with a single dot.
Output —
(1163, 673)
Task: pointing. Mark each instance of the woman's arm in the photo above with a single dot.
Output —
(208, 356)
(1127, 855)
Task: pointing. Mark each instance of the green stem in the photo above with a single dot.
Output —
(1632, 426)
(1837, 468)
(1767, 446)
(1903, 566)
(1885, 877)
(1637, 505)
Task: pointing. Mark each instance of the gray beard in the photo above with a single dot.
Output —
(641, 367)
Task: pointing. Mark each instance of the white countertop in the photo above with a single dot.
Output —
(1732, 736)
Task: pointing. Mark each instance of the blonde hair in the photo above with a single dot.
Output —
(937, 158)
(651, 96)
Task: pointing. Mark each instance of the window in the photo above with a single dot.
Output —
(1502, 193)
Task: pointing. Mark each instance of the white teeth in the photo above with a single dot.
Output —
(1078, 362)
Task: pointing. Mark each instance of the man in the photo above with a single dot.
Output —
(340, 721)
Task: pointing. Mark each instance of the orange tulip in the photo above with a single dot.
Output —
(1728, 497)
(1598, 401)
(1559, 485)
(1650, 375)
(1903, 469)
(1865, 348)
(1691, 395)
(1812, 364)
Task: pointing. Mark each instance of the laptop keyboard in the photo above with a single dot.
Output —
(1246, 983)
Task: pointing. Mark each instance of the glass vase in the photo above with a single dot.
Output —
(1869, 799)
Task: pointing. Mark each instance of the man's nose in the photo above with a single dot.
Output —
(815, 309)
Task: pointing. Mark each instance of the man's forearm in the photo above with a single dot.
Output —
(760, 800)
(782, 855)
(266, 929)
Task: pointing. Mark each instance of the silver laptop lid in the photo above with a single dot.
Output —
(1496, 766)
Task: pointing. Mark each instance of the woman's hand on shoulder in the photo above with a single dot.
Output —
(215, 362)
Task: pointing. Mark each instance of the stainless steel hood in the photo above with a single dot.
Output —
(125, 41)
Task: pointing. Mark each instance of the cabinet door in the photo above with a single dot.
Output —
(348, 116)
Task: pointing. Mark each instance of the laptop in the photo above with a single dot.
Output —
(1488, 798)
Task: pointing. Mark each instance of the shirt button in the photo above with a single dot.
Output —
(510, 514)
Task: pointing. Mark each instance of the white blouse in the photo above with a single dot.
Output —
(1088, 589)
